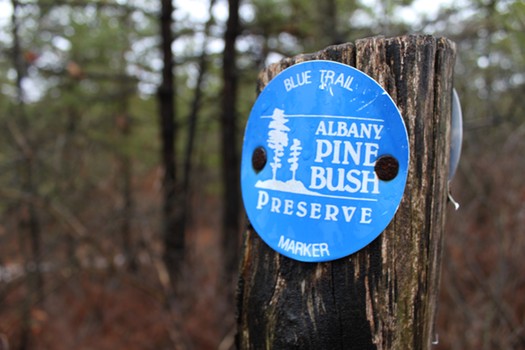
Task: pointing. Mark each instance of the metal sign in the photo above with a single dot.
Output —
(324, 162)
(456, 135)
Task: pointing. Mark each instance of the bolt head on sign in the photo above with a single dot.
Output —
(324, 161)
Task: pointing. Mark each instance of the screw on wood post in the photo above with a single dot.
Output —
(383, 296)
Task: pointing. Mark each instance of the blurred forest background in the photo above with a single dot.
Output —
(120, 212)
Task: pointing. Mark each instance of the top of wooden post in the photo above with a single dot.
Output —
(383, 296)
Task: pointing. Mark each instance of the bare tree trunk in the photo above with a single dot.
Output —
(383, 296)
(68, 164)
(123, 123)
(194, 113)
(126, 212)
(230, 158)
(173, 238)
(29, 224)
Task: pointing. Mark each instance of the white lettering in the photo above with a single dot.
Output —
(328, 78)
(335, 159)
(298, 248)
(288, 205)
(341, 180)
(321, 129)
(299, 79)
(301, 209)
(315, 250)
(370, 151)
(262, 200)
(351, 176)
(317, 174)
(283, 244)
(342, 128)
(324, 249)
(366, 216)
(348, 82)
(353, 152)
(350, 130)
(369, 177)
(331, 131)
(349, 213)
(331, 212)
(316, 211)
(320, 151)
(276, 204)
(340, 79)
(377, 131)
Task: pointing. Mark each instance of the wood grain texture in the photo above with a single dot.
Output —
(384, 296)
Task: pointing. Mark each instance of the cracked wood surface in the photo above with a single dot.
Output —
(383, 296)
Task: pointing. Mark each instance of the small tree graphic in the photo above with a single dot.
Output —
(295, 151)
(277, 138)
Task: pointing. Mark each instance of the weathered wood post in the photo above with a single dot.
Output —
(383, 296)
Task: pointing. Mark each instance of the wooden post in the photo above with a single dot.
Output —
(383, 296)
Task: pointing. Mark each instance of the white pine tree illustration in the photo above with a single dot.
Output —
(277, 138)
(295, 151)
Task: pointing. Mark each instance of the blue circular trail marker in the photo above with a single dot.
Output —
(324, 162)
